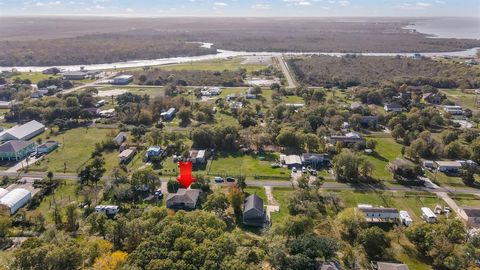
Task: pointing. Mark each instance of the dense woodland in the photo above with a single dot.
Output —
(95, 49)
(30, 44)
(353, 70)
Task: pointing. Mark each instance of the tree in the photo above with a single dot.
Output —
(350, 223)
(71, 214)
(145, 179)
(173, 186)
(366, 169)
(375, 242)
(456, 150)
(289, 138)
(97, 169)
(371, 144)
(346, 166)
(235, 197)
(312, 143)
(98, 223)
(110, 260)
(50, 175)
(241, 183)
(185, 115)
(216, 202)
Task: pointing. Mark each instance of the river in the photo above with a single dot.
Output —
(221, 54)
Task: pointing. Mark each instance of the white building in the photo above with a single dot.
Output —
(393, 108)
(291, 161)
(453, 110)
(23, 132)
(379, 214)
(107, 209)
(3, 192)
(428, 215)
(14, 200)
(405, 218)
(448, 166)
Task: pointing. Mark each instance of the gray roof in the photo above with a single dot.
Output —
(472, 211)
(378, 210)
(14, 146)
(24, 131)
(253, 202)
(47, 144)
(184, 195)
(391, 266)
(75, 73)
(394, 105)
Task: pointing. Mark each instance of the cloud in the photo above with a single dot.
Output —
(47, 4)
(423, 4)
(220, 4)
(344, 3)
(261, 6)
(298, 2)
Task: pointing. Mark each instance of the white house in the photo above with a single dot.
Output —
(109, 210)
(379, 214)
(428, 215)
(453, 110)
(14, 200)
(291, 160)
(23, 132)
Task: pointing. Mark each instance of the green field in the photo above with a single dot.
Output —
(411, 202)
(157, 91)
(466, 99)
(387, 150)
(76, 147)
(34, 77)
(216, 65)
(259, 191)
(248, 165)
(282, 196)
(466, 200)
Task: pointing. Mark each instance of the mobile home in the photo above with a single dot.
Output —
(428, 215)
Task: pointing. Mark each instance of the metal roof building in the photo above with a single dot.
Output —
(15, 200)
(23, 132)
(3, 192)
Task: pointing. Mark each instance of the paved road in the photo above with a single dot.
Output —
(286, 72)
(92, 84)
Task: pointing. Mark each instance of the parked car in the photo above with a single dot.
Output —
(313, 172)
(158, 193)
(218, 179)
(294, 169)
(447, 210)
(275, 165)
(304, 170)
(230, 179)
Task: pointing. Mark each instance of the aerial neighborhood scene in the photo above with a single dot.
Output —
(231, 135)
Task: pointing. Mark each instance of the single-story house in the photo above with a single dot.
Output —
(16, 150)
(75, 75)
(23, 132)
(432, 98)
(51, 71)
(109, 210)
(153, 151)
(448, 166)
(473, 214)
(393, 107)
(36, 94)
(355, 105)
(47, 147)
(349, 138)
(107, 113)
(389, 266)
(453, 110)
(379, 214)
(197, 156)
(126, 155)
(210, 91)
(5, 104)
(184, 199)
(295, 105)
(120, 138)
(369, 119)
(253, 211)
(291, 161)
(315, 160)
(122, 80)
(168, 115)
(428, 164)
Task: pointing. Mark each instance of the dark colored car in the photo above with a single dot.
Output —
(230, 179)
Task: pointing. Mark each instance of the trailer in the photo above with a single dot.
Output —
(428, 215)
(405, 218)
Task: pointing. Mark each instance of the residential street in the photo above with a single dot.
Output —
(286, 72)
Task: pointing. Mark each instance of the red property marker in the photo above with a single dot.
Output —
(185, 178)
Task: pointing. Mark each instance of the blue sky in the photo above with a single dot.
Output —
(242, 8)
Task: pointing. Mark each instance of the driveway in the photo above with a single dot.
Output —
(453, 205)
(23, 164)
(272, 205)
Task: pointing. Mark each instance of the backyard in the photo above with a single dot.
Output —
(387, 150)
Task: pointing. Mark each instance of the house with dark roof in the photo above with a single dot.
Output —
(389, 266)
(473, 214)
(253, 211)
(120, 138)
(75, 75)
(184, 199)
(47, 147)
(16, 150)
(393, 107)
(432, 98)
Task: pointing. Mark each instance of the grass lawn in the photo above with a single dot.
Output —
(282, 196)
(292, 99)
(34, 77)
(447, 180)
(465, 99)
(76, 146)
(216, 65)
(387, 150)
(466, 200)
(248, 165)
(411, 202)
(151, 91)
(260, 191)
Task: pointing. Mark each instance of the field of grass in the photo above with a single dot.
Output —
(387, 150)
(466, 200)
(282, 196)
(215, 65)
(151, 91)
(34, 77)
(259, 191)
(76, 147)
(411, 202)
(292, 99)
(248, 165)
(466, 99)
